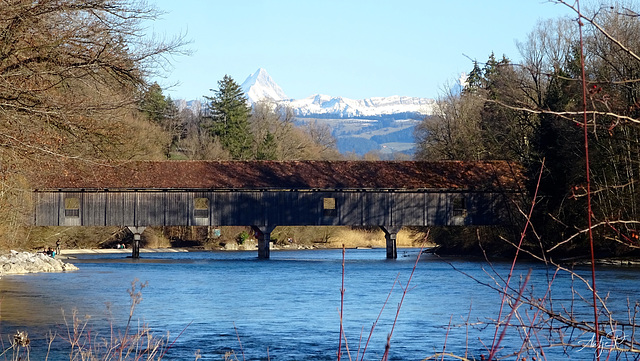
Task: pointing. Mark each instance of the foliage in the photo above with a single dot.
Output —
(243, 236)
(229, 118)
(69, 72)
(453, 131)
(162, 111)
(532, 113)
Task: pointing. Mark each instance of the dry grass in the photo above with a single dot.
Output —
(374, 237)
(131, 343)
(73, 237)
(36, 238)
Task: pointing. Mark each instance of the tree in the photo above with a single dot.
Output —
(70, 75)
(474, 80)
(163, 111)
(452, 132)
(69, 72)
(278, 138)
(272, 127)
(229, 118)
(324, 142)
(154, 104)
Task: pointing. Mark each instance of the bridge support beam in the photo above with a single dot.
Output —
(263, 234)
(390, 233)
(137, 231)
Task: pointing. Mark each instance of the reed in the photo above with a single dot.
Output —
(134, 342)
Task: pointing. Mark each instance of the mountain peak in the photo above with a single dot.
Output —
(260, 86)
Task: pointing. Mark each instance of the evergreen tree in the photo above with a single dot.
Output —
(267, 148)
(153, 103)
(163, 111)
(474, 81)
(229, 118)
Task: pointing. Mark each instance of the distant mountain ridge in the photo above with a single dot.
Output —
(380, 124)
(259, 86)
(341, 107)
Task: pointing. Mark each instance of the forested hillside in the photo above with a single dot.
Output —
(572, 88)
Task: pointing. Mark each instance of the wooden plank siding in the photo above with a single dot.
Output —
(266, 208)
(272, 193)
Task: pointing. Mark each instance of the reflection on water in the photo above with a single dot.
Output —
(286, 308)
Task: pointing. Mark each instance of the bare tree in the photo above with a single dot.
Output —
(289, 141)
(453, 132)
(325, 143)
(71, 72)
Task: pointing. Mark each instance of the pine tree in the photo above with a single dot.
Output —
(163, 111)
(229, 118)
(267, 148)
(154, 103)
(474, 81)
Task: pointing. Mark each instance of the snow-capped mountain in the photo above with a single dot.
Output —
(341, 107)
(383, 124)
(259, 86)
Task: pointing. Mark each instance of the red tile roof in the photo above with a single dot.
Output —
(246, 175)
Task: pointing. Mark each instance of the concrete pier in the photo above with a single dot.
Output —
(263, 233)
(390, 234)
(137, 231)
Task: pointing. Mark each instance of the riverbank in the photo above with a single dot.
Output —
(70, 253)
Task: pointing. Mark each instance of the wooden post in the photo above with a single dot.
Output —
(137, 231)
(390, 233)
(264, 238)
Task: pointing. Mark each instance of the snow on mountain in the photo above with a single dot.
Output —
(383, 124)
(349, 108)
(259, 86)
(194, 105)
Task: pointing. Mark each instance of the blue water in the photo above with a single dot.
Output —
(288, 307)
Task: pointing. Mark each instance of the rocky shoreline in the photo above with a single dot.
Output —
(28, 262)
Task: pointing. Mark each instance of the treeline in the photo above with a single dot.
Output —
(228, 128)
(533, 113)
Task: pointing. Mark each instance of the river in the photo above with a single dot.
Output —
(288, 307)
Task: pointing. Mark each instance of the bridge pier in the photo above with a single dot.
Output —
(264, 238)
(390, 233)
(137, 231)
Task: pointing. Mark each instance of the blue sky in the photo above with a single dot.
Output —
(351, 48)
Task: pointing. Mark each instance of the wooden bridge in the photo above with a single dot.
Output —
(266, 194)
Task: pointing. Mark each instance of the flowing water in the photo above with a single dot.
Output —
(288, 307)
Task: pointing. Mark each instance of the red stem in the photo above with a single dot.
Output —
(378, 318)
(385, 356)
(513, 310)
(588, 171)
(515, 258)
(341, 306)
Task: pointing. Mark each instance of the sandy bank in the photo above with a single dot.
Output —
(113, 250)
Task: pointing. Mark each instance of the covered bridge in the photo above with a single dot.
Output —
(266, 194)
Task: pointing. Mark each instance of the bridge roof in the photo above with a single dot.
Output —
(248, 175)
